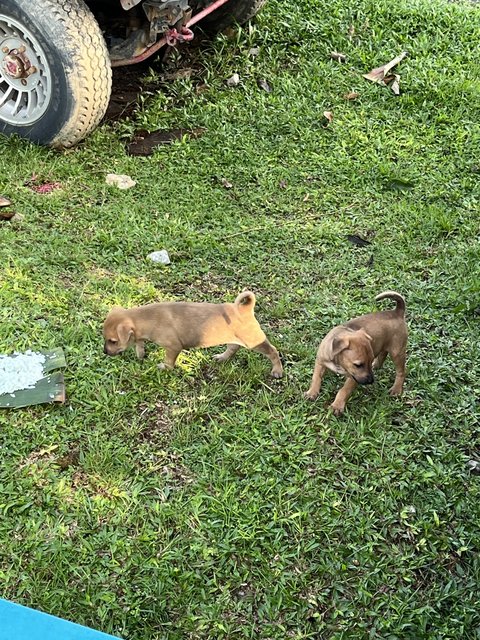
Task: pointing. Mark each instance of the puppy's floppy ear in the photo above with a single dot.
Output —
(125, 331)
(339, 345)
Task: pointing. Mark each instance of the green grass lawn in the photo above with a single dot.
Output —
(212, 502)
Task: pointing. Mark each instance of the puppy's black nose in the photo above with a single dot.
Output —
(368, 379)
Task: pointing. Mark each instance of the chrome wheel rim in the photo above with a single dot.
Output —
(25, 76)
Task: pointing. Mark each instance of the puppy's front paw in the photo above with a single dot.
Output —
(396, 391)
(277, 373)
(221, 357)
(310, 395)
(337, 409)
(164, 367)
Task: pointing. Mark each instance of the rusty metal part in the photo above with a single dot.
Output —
(173, 37)
(169, 36)
(164, 14)
(16, 63)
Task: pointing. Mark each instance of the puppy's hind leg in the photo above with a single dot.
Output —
(399, 360)
(272, 354)
(230, 351)
(380, 359)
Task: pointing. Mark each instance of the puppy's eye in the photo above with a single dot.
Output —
(359, 365)
(112, 341)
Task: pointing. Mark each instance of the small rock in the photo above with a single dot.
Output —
(474, 466)
(233, 81)
(120, 181)
(254, 51)
(4, 202)
(226, 183)
(161, 256)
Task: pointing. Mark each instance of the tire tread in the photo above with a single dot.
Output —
(91, 68)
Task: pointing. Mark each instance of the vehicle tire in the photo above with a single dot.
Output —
(234, 12)
(55, 75)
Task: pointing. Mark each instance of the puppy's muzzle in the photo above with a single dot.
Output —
(111, 353)
(366, 379)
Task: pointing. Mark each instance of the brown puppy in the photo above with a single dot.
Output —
(186, 325)
(355, 348)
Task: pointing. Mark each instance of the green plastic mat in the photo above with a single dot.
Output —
(49, 388)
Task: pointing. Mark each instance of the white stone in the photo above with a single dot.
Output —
(161, 256)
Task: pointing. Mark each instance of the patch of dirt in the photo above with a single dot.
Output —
(155, 436)
(126, 89)
(175, 472)
(45, 455)
(127, 84)
(157, 423)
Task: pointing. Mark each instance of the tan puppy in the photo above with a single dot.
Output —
(186, 325)
(355, 348)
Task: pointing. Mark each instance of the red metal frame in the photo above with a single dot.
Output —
(172, 37)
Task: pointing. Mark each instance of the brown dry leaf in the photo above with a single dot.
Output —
(4, 202)
(226, 183)
(353, 95)
(327, 119)
(144, 142)
(339, 57)
(6, 215)
(379, 73)
(179, 74)
(263, 84)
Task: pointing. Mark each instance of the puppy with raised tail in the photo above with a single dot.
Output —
(176, 326)
(355, 348)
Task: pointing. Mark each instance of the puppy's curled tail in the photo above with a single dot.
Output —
(245, 301)
(400, 300)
